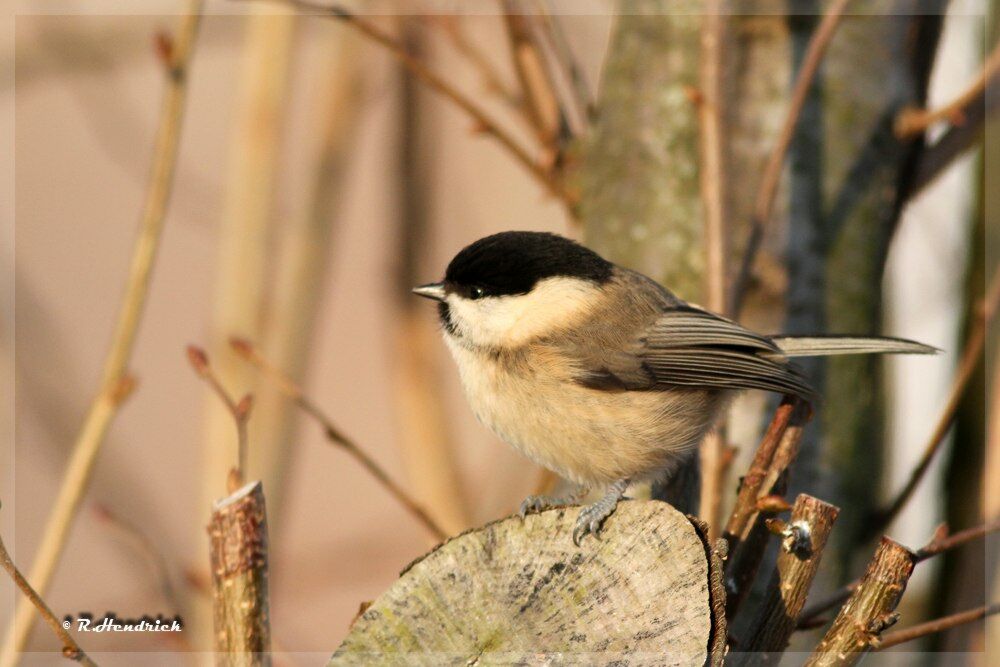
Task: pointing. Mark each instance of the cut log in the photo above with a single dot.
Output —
(516, 592)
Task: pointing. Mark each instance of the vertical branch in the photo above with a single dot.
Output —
(300, 275)
(239, 554)
(712, 171)
(803, 540)
(427, 449)
(115, 381)
(540, 102)
(244, 243)
(869, 610)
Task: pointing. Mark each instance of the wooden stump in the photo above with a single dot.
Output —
(514, 592)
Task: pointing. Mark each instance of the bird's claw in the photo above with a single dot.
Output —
(533, 505)
(589, 522)
(592, 517)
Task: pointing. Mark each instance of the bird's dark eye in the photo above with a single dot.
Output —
(477, 292)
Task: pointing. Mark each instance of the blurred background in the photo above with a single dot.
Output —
(317, 180)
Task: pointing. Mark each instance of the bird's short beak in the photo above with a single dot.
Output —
(431, 291)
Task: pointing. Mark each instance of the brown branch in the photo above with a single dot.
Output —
(937, 625)
(764, 203)
(745, 532)
(803, 540)
(562, 69)
(971, 358)
(70, 649)
(911, 122)
(239, 411)
(541, 105)
(484, 122)
(938, 545)
(713, 177)
(239, 561)
(870, 609)
(956, 141)
(115, 375)
(287, 386)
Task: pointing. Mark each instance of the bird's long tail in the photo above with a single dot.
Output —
(827, 346)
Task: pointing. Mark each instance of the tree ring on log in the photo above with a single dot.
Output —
(514, 592)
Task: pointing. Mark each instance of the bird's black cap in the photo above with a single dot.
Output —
(512, 262)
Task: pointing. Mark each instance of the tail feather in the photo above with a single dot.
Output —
(826, 346)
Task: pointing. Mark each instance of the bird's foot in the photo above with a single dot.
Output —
(592, 517)
(535, 504)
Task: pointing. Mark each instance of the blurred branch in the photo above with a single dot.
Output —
(564, 70)
(957, 140)
(246, 350)
(424, 440)
(937, 625)
(764, 203)
(483, 121)
(713, 179)
(971, 357)
(540, 103)
(240, 412)
(911, 122)
(71, 649)
(115, 381)
(298, 280)
(870, 609)
(938, 545)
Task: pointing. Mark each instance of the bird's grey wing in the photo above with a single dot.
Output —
(690, 347)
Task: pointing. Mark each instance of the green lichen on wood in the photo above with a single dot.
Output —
(638, 172)
(516, 592)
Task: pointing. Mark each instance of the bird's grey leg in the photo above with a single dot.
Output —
(593, 516)
(533, 504)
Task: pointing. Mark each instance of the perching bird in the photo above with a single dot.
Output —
(598, 373)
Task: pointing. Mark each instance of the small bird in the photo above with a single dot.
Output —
(598, 373)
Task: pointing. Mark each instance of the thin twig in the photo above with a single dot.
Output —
(937, 625)
(104, 405)
(764, 204)
(938, 545)
(564, 70)
(971, 357)
(70, 649)
(484, 122)
(713, 177)
(247, 350)
(911, 122)
(240, 412)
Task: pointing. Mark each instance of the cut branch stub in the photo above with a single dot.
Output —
(521, 593)
(238, 549)
(869, 610)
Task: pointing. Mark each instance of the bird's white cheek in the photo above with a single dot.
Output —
(553, 304)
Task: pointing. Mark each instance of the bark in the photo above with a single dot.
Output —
(869, 610)
(798, 562)
(238, 549)
(516, 592)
